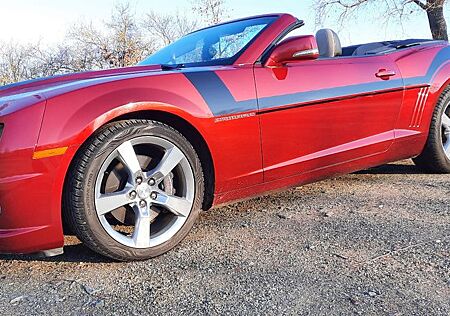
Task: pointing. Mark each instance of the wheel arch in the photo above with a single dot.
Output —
(181, 125)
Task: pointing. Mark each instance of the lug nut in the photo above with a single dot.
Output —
(154, 195)
(138, 180)
(151, 181)
(142, 204)
(133, 194)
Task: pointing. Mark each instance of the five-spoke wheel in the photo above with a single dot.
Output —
(145, 186)
(138, 188)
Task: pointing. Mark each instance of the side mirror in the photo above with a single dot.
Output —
(293, 49)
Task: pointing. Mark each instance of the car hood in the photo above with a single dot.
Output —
(15, 96)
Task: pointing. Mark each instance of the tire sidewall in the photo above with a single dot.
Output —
(444, 102)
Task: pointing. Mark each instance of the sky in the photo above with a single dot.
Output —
(47, 21)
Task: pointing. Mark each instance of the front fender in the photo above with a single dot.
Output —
(71, 118)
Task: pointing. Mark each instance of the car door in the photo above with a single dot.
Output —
(324, 112)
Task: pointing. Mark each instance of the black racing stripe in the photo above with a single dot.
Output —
(222, 102)
(216, 94)
(315, 96)
(324, 101)
(441, 57)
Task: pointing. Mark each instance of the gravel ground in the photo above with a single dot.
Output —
(372, 243)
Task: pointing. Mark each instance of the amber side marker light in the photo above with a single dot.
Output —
(49, 153)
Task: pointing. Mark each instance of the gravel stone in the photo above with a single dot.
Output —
(17, 300)
(90, 290)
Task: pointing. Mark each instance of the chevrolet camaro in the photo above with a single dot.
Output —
(127, 158)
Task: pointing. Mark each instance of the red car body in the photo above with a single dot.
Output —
(260, 128)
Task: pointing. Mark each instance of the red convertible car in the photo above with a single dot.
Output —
(127, 158)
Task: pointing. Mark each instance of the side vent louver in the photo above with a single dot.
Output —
(422, 98)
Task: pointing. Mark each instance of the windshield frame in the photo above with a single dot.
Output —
(221, 61)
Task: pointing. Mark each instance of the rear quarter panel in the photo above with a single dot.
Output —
(426, 73)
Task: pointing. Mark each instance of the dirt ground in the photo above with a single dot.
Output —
(372, 243)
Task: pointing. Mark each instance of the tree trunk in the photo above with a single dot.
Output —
(437, 22)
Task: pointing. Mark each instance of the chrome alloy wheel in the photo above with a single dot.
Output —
(144, 192)
(446, 130)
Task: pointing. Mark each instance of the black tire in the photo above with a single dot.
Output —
(79, 200)
(433, 158)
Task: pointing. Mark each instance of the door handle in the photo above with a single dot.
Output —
(385, 74)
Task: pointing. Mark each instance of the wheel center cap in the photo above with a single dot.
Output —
(144, 191)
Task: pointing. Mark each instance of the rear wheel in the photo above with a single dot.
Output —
(436, 155)
(135, 190)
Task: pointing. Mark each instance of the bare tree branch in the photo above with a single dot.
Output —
(391, 9)
(211, 11)
(168, 28)
(420, 4)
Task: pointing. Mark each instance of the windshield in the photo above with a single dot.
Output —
(217, 45)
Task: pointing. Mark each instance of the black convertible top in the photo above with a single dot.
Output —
(383, 47)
